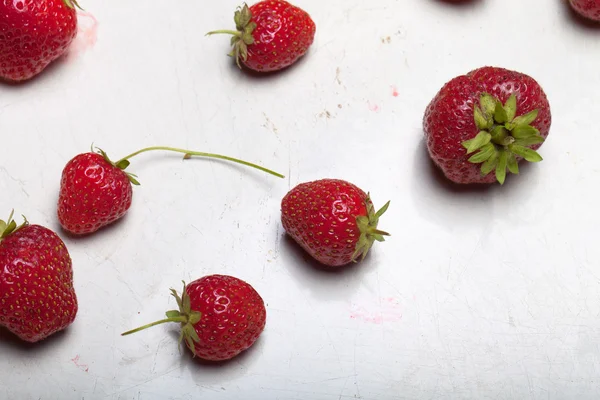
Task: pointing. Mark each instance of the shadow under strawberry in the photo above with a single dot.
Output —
(249, 73)
(579, 20)
(12, 342)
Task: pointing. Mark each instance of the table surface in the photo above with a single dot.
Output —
(478, 294)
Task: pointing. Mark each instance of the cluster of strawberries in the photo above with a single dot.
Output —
(478, 128)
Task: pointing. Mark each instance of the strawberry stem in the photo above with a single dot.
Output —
(225, 31)
(188, 153)
(10, 226)
(180, 319)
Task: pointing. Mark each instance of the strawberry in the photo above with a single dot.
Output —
(34, 33)
(588, 8)
(95, 192)
(487, 120)
(220, 317)
(333, 220)
(271, 35)
(37, 298)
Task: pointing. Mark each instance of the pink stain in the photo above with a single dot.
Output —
(87, 33)
(374, 107)
(83, 367)
(395, 91)
(387, 310)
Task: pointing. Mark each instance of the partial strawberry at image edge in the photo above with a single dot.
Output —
(589, 9)
(46, 36)
(37, 296)
(333, 220)
(481, 125)
(271, 35)
(221, 316)
(95, 191)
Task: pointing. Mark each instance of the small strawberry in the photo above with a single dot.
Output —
(271, 35)
(37, 298)
(333, 220)
(487, 120)
(588, 8)
(95, 192)
(220, 317)
(34, 33)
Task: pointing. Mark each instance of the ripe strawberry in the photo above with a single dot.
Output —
(95, 192)
(34, 33)
(333, 220)
(220, 317)
(271, 35)
(489, 119)
(588, 8)
(37, 298)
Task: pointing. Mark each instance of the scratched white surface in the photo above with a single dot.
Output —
(486, 294)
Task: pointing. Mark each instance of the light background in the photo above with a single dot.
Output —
(478, 294)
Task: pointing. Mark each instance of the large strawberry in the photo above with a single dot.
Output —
(270, 35)
(333, 220)
(34, 33)
(487, 120)
(37, 298)
(220, 317)
(588, 8)
(95, 191)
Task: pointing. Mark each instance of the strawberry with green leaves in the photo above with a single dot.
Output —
(333, 220)
(37, 297)
(220, 317)
(270, 35)
(480, 125)
(95, 191)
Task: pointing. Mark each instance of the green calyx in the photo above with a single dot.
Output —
(10, 226)
(502, 137)
(121, 164)
(185, 316)
(72, 4)
(242, 36)
(367, 224)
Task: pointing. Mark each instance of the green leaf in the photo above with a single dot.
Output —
(524, 131)
(481, 121)
(477, 142)
(499, 133)
(500, 114)
(193, 334)
(123, 164)
(525, 119)
(133, 180)
(485, 153)
(382, 210)
(177, 298)
(187, 303)
(511, 107)
(195, 317)
(527, 154)
(488, 104)
(173, 314)
(513, 167)
(489, 165)
(501, 167)
(529, 141)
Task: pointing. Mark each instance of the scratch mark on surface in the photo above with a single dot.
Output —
(325, 114)
(338, 79)
(386, 40)
(270, 125)
(83, 367)
(388, 311)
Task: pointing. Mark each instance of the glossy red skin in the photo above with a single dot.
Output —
(37, 297)
(283, 34)
(93, 194)
(233, 316)
(321, 217)
(448, 119)
(588, 8)
(33, 33)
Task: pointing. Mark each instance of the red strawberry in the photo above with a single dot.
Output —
(271, 35)
(95, 192)
(220, 317)
(37, 298)
(588, 8)
(489, 119)
(34, 33)
(333, 220)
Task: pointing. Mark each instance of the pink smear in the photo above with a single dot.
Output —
(387, 310)
(395, 91)
(373, 107)
(87, 33)
(83, 367)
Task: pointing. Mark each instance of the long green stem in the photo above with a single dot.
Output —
(162, 321)
(201, 154)
(225, 31)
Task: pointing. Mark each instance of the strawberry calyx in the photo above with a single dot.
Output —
(72, 4)
(242, 36)
(502, 136)
(10, 226)
(367, 225)
(121, 164)
(185, 316)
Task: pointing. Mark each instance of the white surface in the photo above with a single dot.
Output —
(477, 295)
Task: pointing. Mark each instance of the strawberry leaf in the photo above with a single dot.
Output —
(524, 131)
(511, 107)
(501, 167)
(529, 141)
(484, 154)
(513, 167)
(477, 142)
(525, 119)
(500, 114)
(527, 154)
